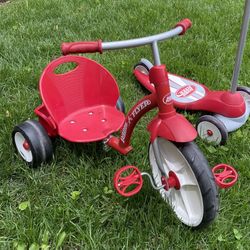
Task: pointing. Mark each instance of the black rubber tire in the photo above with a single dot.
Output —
(205, 179)
(120, 105)
(39, 142)
(216, 122)
(144, 67)
(244, 89)
(245, 93)
(141, 64)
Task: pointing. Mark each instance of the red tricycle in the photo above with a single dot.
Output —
(84, 105)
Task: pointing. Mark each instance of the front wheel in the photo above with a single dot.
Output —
(195, 202)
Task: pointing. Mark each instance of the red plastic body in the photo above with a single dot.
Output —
(225, 175)
(122, 144)
(133, 180)
(79, 105)
(220, 102)
(46, 120)
(167, 124)
(185, 24)
(81, 47)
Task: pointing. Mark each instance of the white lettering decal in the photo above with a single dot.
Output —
(185, 91)
(131, 117)
(167, 99)
(124, 132)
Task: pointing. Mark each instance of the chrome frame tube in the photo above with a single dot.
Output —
(143, 41)
(152, 181)
(156, 54)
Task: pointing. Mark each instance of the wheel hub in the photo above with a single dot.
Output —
(171, 182)
(210, 132)
(26, 145)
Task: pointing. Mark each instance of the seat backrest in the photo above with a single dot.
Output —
(88, 84)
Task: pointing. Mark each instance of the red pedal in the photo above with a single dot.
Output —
(225, 175)
(128, 181)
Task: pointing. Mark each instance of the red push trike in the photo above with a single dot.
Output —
(84, 105)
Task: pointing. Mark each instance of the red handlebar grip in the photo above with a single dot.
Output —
(81, 47)
(185, 24)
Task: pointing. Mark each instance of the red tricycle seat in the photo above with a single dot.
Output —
(82, 101)
(91, 124)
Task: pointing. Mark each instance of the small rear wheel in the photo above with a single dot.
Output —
(195, 200)
(245, 92)
(120, 105)
(212, 130)
(32, 143)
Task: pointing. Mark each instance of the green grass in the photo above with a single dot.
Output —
(30, 37)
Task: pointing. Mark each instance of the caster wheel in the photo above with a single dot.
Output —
(212, 130)
(143, 66)
(193, 194)
(32, 143)
(120, 105)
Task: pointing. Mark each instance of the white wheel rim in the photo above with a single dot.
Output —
(245, 95)
(26, 154)
(205, 126)
(142, 69)
(187, 202)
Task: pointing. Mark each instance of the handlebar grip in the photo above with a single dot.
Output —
(81, 47)
(185, 24)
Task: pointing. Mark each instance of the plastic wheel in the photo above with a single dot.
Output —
(32, 143)
(195, 201)
(212, 130)
(245, 92)
(144, 66)
(120, 105)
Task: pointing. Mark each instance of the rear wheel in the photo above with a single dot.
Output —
(245, 92)
(32, 143)
(195, 202)
(212, 130)
(120, 105)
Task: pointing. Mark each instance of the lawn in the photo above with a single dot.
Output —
(37, 206)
